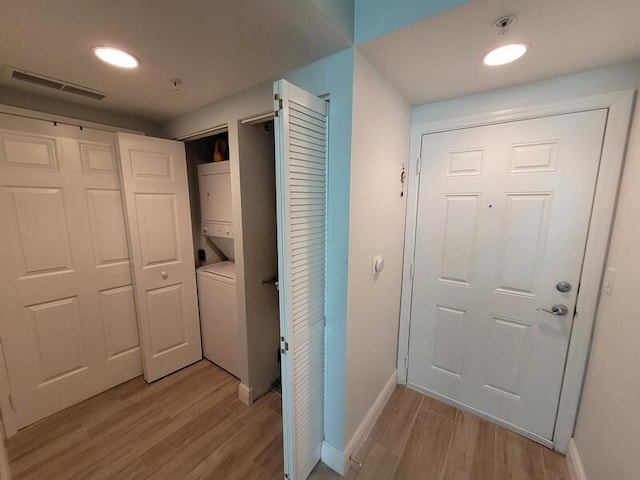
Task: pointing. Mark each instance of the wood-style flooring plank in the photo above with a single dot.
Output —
(218, 398)
(31, 458)
(271, 459)
(38, 436)
(472, 450)
(426, 450)
(517, 457)
(180, 465)
(184, 436)
(138, 389)
(439, 407)
(395, 421)
(555, 465)
(229, 461)
(380, 464)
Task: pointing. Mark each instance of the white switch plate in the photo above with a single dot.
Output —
(609, 278)
(377, 264)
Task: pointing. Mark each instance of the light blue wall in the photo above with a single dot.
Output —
(374, 18)
(333, 75)
(340, 13)
(593, 82)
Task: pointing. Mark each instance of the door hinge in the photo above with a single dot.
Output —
(284, 345)
(278, 104)
(412, 271)
(406, 366)
(11, 402)
(419, 166)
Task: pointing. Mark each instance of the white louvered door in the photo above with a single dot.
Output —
(301, 179)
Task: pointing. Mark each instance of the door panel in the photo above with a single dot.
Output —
(156, 215)
(63, 253)
(503, 215)
(119, 318)
(524, 237)
(107, 227)
(301, 172)
(58, 341)
(154, 181)
(459, 230)
(38, 217)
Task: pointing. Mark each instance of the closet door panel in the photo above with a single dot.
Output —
(158, 218)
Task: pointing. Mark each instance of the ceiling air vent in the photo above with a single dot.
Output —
(60, 85)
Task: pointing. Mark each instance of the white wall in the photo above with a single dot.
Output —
(379, 148)
(227, 112)
(607, 434)
(55, 106)
(258, 190)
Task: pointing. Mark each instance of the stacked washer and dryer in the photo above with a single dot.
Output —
(217, 294)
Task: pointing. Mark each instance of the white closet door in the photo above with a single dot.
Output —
(154, 182)
(301, 180)
(67, 316)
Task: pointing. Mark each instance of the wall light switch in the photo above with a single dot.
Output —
(377, 265)
(609, 278)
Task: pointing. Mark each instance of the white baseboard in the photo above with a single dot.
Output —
(245, 394)
(363, 431)
(574, 463)
(332, 458)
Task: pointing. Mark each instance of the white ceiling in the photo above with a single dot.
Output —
(441, 57)
(219, 47)
(215, 47)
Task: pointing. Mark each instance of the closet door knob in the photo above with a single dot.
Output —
(164, 274)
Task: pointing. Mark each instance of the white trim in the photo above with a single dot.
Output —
(245, 394)
(574, 463)
(339, 461)
(207, 132)
(50, 117)
(260, 118)
(365, 427)
(619, 105)
(333, 458)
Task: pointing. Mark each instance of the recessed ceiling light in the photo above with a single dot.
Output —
(117, 57)
(505, 54)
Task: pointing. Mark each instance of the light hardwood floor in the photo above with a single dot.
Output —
(419, 438)
(191, 426)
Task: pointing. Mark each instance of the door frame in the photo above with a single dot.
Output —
(619, 106)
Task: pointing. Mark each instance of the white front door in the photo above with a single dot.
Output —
(67, 316)
(503, 215)
(301, 194)
(156, 192)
